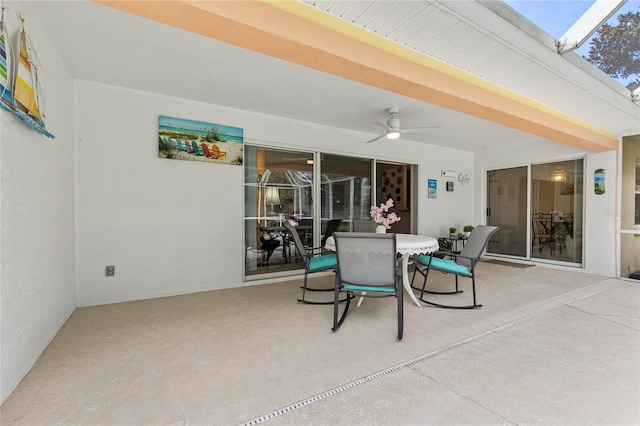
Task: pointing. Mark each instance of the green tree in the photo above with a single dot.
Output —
(616, 50)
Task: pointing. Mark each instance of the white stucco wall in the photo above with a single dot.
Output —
(173, 227)
(600, 218)
(37, 236)
(599, 226)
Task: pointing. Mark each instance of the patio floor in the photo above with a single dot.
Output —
(549, 346)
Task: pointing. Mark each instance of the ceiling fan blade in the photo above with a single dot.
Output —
(384, 126)
(418, 129)
(376, 138)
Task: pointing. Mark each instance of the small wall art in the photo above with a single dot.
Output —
(182, 139)
(432, 184)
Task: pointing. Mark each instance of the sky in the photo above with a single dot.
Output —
(557, 16)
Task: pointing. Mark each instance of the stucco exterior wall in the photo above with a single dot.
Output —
(37, 234)
(174, 227)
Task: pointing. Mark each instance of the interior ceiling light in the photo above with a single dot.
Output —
(559, 175)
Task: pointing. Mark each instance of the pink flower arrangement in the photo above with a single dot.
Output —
(556, 215)
(381, 215)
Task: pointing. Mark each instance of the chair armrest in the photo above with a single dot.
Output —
(444, 253)
(313, 250)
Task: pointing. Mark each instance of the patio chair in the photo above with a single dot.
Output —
(364, 226)
(462, 264)
(313, 260)
(366, 268)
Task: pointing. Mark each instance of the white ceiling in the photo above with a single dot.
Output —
(104, 45)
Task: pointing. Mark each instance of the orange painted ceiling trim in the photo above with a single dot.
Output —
(296, 32)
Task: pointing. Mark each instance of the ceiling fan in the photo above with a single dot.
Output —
(393, 126)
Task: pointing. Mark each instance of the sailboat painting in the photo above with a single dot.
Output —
(6, 70)
(20, 86)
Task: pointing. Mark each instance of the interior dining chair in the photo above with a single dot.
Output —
(461, 264)
(269, 245)
(366, 268)
(314, 261)
(332, 226)
(542, 231)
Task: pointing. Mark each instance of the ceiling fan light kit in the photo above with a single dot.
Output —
(393, 126)
(393, 134)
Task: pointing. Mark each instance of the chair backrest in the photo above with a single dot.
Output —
(364, 226)
(541, 223)
(297, 241)
(367, 259)
(332, 227)
(475, 245)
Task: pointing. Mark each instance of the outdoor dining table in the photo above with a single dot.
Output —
(406, 245)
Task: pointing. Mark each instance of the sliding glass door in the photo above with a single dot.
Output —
(540, 217)
(312, 190)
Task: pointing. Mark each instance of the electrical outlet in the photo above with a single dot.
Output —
(110, 270)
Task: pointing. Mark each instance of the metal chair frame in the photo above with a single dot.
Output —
(468, 258)
(366, 267)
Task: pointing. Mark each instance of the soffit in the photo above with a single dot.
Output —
(491, 40)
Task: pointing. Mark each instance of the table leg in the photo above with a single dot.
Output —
(405, 278)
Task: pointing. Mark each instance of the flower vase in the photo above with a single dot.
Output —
(381, 229)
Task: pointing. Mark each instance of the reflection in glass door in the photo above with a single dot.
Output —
(278, 189)
(345, 190)
(507, 209)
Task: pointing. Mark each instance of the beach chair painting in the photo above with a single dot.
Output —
(196, 149)
(214, 152)
(208, 142)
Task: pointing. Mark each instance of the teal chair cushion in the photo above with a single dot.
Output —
(445, 265)
(322, 262)
(368, 289)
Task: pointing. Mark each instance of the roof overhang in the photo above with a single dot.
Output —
(299, 33)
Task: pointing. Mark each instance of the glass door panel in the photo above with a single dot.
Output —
(507, 209)
(345, 188)
(394, 181)
(556, 211)
(630, 208)
(278, 188)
